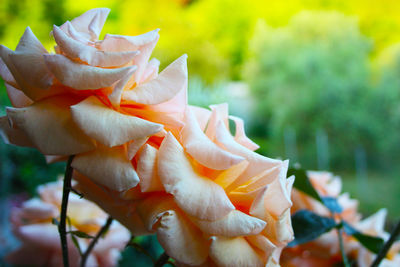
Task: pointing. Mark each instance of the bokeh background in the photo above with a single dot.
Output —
(317, 81)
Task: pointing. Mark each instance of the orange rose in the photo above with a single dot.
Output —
(209, 198)
(32, 224)
(97, 99)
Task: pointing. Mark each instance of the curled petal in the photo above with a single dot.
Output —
(236, 223)
(49, 126)
(82, 77)
(231, 252)
(219, 114)
(169, 83)
(240, 135)
(27, 66)
(107, 166)
(134, 146)
(276, 193)
(147, 170)
(144, 43)
(202, 116)
(94, 57)
(151, 70)
(244, 199)
(13, 136)
(89, 23)
(260, 180)
(115, 96)
(202, 149)
(227, 177)
(108, 126)
(181, 240)
(6, 75)
(153, 207)
(17, 97)
(257, 163)
(196, 195)
(262, 243)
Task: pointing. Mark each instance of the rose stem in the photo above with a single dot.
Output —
(344, 257)
(163, 259)
(103, 230)
(63, 215)
(385, 248)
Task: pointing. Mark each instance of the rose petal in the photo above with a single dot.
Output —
(115, 96)
(13, 136)
(151, 70)
(181, 240)
(264, 178)
(27, 66)
(107, 166)
(94, 57)
(276, 193)
(231, 252)
(219, 113)
(49, 126)
(90, 23)
(196, 195)
(108, 126)
(17, 98)
(145, 43)
(147, 170)
(202, 149)
(6, 75)
(82, 77)
(169, 83)
(236, 223)
(257, 163)
(134, 146)
(240, 135)
(202, 116)
(227, 177)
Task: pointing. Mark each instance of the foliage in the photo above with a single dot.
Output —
(314, 75)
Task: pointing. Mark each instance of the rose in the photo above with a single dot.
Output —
(97, 99)
(325, 249)
(32, 224)
(209, 198)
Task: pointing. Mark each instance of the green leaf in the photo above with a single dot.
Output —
(303, 184)
(308, 226)
(80, 234)
(76, 243)
(372, 243)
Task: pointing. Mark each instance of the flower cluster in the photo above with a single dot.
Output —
(32, 224)
(325, 250)
(155, 163)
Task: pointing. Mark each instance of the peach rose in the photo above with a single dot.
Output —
(32, 224)
(374, 225)
(325, 251)
(97, 99)
(207, 196)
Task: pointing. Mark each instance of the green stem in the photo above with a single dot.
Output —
(386, 247)
(163, 259)
(341, 245)
(63, 215)
(95, 239)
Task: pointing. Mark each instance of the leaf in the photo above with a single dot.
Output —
(80, 234)
(303, 184)
(308, 226)
(332, 204)
(372, 243)
(76, 243)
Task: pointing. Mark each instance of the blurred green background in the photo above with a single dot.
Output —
(317, 81)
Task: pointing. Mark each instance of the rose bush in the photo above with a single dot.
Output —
(325, 250)
(32, 225)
